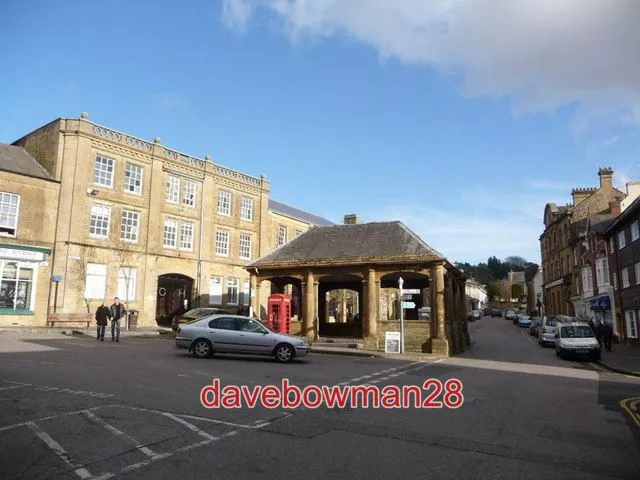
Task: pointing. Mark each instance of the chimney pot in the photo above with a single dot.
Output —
(351, 219)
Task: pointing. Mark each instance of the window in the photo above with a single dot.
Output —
(250, 326)
(611, 245)
(170, 233)
(246, 293)
(127, 283)
(232, 291)
(224, 202)
(9, 207)
(186, 236)
(602, 271)
(282, 235)
(638, 273)
(103, 171)
(129, 226)
(99, 222)
(245, 246)
(215, 291)
(246, 208)
(224, 323)
(95, 285)
(133, 179)
(172, 193)
(632, 325)
(625, 277)
(635, 233)
(587, 280)
(621, 240)
(189, 193)
(222, 243)
(16, 286)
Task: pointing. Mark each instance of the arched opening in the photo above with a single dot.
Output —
(174, 297)
(340, 308)
(415, 295)
(285, 285)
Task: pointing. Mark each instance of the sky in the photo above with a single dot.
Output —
(461, 118)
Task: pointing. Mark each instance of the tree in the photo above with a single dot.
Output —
(79, 270)
(493, 291)
(516, 290)
(127, 254)
(516, 261)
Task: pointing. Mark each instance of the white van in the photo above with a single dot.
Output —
(576, 339)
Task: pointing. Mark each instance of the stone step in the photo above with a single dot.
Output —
(355, 345)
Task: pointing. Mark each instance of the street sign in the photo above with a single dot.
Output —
(407, 297)
(408, 305)
(411, 291)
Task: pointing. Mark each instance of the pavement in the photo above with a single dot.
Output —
(73, 407)
(622, 359)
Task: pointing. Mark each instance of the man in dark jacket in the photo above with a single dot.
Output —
(103, 315)
(118, 312)
(607, 335)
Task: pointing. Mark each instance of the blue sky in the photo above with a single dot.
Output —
(429, 112)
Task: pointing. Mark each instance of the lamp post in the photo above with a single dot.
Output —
(400, 283)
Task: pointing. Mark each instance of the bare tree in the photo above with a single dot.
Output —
(127, 254)
(79, 271)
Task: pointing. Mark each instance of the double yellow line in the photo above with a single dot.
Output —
(632, 407)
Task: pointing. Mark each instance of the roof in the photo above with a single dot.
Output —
(16, 160)
(630, 210)
(601, 224)
(358, 243)
(292, 212)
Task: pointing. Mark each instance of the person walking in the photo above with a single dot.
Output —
(118, 312)
(103, 315)
(607, 335)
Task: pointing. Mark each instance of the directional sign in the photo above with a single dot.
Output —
(408, 305)
(407, 297)
(411, 291)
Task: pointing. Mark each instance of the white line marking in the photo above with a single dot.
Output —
(190, 426)
(211, 420)
(24, 424)
(99, 421)
(14, 387)
(144, 463)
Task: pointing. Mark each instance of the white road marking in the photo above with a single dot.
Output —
(14, 387)
(190, 426)
(211, 420)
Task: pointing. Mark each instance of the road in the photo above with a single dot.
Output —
(72, 407)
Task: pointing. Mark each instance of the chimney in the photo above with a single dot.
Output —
(351, 219)
(581, 194)
(606, 177)
(615, 208)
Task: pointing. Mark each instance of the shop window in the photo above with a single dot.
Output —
(16, 287)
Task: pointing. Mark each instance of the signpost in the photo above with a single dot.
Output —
(412, 291)
(408, 305)
(400, 283)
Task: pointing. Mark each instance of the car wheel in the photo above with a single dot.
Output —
(283, 353)
(202, 348)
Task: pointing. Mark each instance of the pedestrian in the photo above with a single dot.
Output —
(607, 335)
(596, 330)
(103, 315)
(118, 312)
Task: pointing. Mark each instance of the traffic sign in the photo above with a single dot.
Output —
(408, 305)
(407, 297)
(411, 291)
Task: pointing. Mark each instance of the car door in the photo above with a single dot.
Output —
(254, 338)
(223, 334)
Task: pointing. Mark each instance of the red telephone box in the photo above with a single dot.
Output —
(279, 313)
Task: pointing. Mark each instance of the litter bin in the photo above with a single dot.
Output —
(132, 320)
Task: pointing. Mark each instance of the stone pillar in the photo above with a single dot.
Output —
(308, 321)
(439, 344)
(455, 299)
(371, 304)
(255, 296)
(316, 304)
(343, 305)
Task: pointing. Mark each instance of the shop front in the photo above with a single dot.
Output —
(601, 308)
(23, 284)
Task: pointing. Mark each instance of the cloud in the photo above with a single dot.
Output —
(543, 54)
(169, 101)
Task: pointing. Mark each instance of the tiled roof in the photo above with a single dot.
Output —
(297, 214)
(363, 242)
(16, 160)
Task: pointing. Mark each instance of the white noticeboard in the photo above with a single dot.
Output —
(392, 342)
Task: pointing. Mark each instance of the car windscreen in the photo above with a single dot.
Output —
(551, 322)
(581, 331)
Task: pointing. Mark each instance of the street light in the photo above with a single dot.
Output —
(400, 283)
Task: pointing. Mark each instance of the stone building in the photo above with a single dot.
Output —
(162, 230)
(28, 209)
(559, 243)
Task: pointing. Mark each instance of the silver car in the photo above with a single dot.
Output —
(238, 334)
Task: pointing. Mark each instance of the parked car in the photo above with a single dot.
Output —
(238, 334)
(524, 321)
(496, 313)
(487, 311)
(474, 315)
(510, 315)
(195, 314)
(533, 329)
(547, 331)
(576, 339)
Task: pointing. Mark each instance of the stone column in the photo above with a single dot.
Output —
(316, 305)
(255, 296)
(372, 304)
(308, 322)
(455, 330)
(439, 344)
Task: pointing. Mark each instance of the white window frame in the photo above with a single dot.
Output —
(95, 282)
(624, 275)
(632, 325)
(246, 292)
(587, 281)
(602, 271)
(103, 171)
(245, 246)
(189, 192)
(246, 209)
(96, 216)
(233, 291)
(635, 231)
(130, 226)
(222, 243)
(612, 245)
(282, 235)
(9, 219)
(17, 280)
(622, 241)
(215, 291)
(637, 271)
(186, 236)
(133, 178)
(170, 233)
(124, 293)
(172, 190)
(224, 202)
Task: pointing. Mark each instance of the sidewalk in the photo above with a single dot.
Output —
(622, 359)
(150, 332)
(356, 352)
